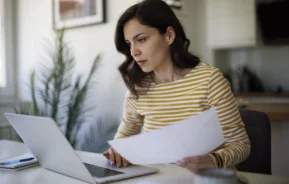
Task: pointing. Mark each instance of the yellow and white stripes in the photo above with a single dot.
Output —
(169, 103)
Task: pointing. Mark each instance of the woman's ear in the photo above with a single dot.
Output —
(170, 35)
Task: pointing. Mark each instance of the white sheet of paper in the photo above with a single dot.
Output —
(197, 135)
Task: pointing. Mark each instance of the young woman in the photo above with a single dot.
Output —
(168, 84)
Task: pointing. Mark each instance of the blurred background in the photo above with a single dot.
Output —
(247, 39)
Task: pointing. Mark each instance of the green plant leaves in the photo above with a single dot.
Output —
(55, 94)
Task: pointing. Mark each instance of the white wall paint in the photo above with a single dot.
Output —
(35, 24)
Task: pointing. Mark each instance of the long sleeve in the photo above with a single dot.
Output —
(237, 145)
(131, 122)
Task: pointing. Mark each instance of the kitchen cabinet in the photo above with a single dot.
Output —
(231, 23)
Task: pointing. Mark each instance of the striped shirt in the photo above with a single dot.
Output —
(168, 103)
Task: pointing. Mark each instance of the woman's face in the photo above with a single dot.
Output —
(148, 47)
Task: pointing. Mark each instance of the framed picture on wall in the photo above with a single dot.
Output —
(76, 13)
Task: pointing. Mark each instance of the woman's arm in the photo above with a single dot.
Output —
(237, 144)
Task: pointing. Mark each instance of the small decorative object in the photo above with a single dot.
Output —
(76, 13)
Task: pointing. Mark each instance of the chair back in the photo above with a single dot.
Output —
(257, 125)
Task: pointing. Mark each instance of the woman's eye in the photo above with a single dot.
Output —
(142, 39)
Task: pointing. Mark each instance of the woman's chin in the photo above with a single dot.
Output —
(146, 70)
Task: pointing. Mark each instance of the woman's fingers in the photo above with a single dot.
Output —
(196, 163)
(106, 154)
(118, 159)
(115, 158)
(111, 156)
(124, 162)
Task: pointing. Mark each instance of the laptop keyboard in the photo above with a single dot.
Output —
(100, 172)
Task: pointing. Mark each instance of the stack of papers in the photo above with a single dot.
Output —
(19, 162)
(197, 135)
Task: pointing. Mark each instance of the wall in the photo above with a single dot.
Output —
(269, 63)
(35, 25)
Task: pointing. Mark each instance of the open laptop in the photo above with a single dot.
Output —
(52, 150)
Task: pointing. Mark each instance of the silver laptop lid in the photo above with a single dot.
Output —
(49, 146)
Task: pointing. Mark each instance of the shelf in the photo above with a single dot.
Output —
(276, 106)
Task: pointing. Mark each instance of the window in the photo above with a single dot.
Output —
(7, 66)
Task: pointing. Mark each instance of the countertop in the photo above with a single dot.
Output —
(276, 106)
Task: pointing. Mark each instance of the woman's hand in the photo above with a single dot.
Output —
(196, 163)
(115, 158)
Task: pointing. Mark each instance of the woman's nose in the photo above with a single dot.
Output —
(134, 51)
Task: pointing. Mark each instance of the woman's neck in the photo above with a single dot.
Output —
(165, 76)
(169, 74)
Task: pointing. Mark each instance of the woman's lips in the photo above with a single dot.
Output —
(141, 62)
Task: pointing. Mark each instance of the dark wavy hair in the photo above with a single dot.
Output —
(156, 14)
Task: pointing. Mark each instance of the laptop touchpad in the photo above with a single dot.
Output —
(100, 172)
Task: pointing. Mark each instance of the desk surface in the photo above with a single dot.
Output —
(168, 174)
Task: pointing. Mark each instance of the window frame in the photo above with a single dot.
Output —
(9, 91)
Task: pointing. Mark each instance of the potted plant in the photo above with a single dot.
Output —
(56, 94)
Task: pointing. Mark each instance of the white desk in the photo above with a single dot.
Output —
(168, 174)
